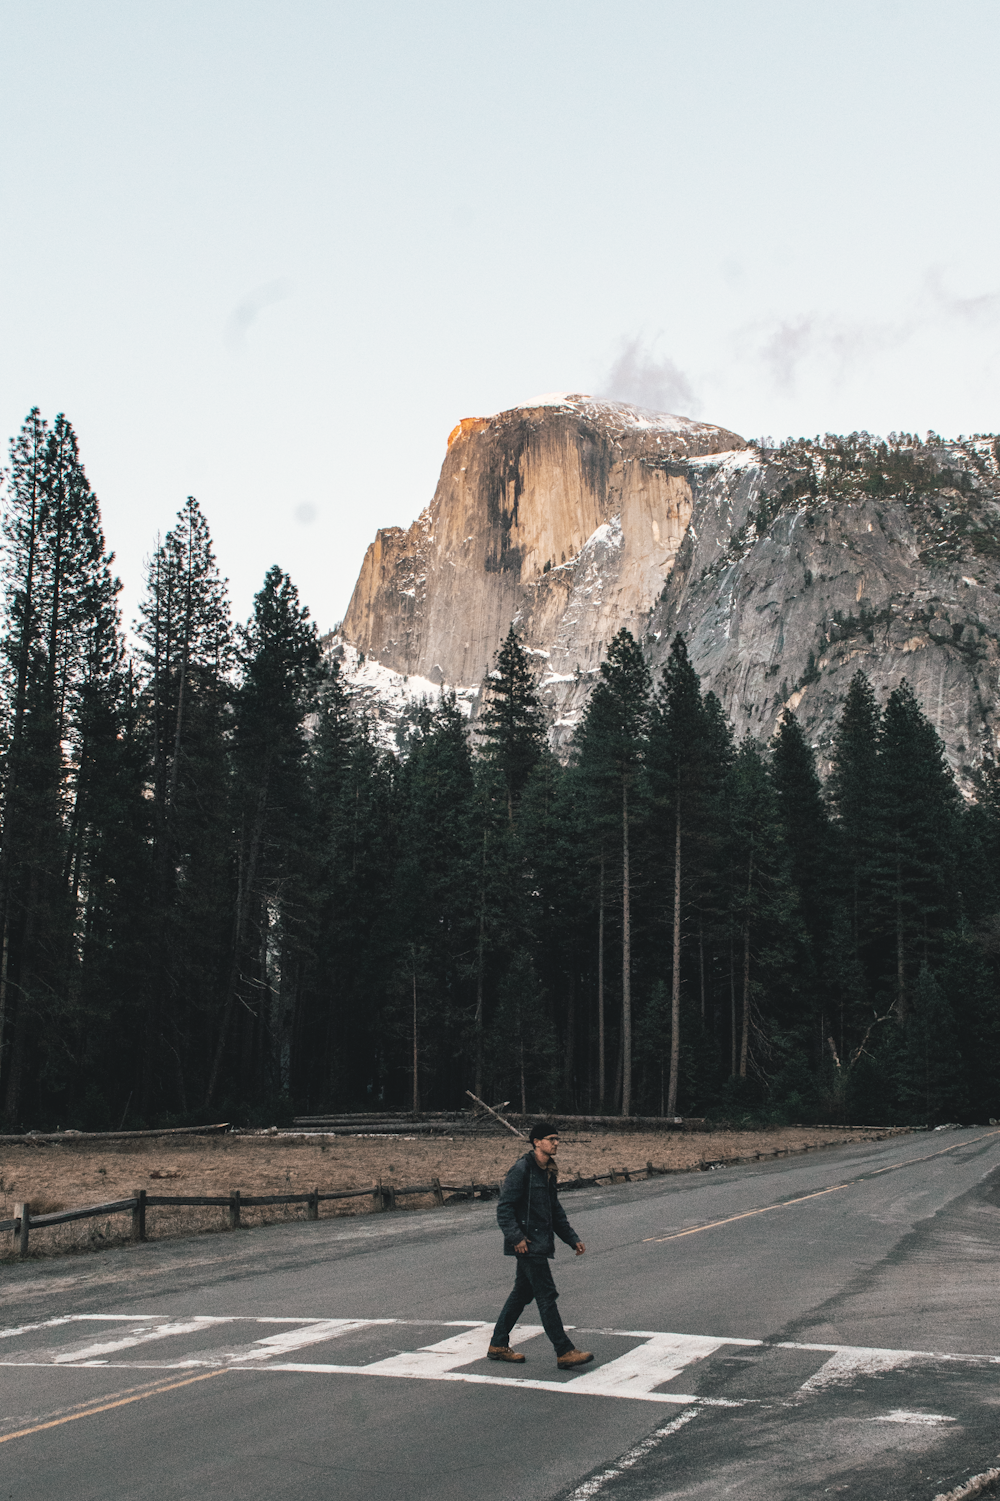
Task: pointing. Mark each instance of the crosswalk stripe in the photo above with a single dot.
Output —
(475, 1378)
(295, 1339)
(655, 1359)
(432, 1360)
(848, 1364)
(140, 1337)
(640, 1370)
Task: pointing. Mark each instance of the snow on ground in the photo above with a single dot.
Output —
(390, 699)
(620, 411)
(733, 458)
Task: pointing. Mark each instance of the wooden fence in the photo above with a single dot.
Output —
(383, 1196)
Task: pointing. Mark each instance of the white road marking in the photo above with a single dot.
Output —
(474, 1378)
(640, 1370)
(432, 1360)
(313, 1333)
(140, 1337)
(630, 1458)
(851, 1362)
(30, 1328)
(634, 1375)
(921, 1419)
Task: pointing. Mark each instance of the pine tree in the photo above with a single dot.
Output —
(688, 760)
(558, 922)
(854, 796)
(434, 902)
(611, 747)
(187, 651)
(916, 828)
(280, 667)
(353, 964)
(521, 1044)
(61, 643)
(511, 728)
(762, 904)
(931, 1084)
(808, 838)
(114, 876)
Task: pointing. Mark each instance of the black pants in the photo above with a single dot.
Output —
(533, 1282)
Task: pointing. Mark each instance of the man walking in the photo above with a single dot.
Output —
(530, 1215)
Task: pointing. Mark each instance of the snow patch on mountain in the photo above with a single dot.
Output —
(389, 701)
(618, 412)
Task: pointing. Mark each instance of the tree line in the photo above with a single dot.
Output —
(219, 892)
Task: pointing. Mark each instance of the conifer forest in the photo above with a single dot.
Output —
(222, 898)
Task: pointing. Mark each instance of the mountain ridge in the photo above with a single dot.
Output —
(786, 567)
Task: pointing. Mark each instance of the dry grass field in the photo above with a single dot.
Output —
(52, 1176)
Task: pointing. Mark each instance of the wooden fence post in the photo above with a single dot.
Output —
(312, 1208)
(378, 1203)
(22, 1212)
(438, 1191)
(234, 1209)
(139, 1214)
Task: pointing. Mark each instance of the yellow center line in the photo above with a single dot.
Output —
(748, 1214)
(107, 1406)
(786, 1203)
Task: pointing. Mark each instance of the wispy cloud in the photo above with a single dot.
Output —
(784, 346)
(647, 379)
(249, 308)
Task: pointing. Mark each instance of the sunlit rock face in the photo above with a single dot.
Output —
(785, 569)
(563, 516)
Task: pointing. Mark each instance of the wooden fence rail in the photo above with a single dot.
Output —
(382, 1195)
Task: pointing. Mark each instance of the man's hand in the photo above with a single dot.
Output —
(522, 1247)
(579, 1248)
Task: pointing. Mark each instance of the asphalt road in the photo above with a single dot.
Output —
(817, 1325)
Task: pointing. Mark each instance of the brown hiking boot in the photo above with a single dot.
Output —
(504, 1352)
(574, 1358)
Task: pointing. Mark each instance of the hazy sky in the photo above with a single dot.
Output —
(269, 253)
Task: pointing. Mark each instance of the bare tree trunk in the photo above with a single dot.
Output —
(178, 728)
(416, 1052)
(626, 964)
(479, 972)
(745, 1041)
(675, 986)
(247, 877)
(732, 1006)
(601, 1067)
(22, 1016)
(569, 1061)
(524, 1097)
(901, 1007)
(27, 623)
(3, 989)
(701, 967)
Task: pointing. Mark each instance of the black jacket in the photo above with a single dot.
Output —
(529, 1207)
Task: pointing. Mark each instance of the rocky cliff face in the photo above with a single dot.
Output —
(805, 563)
(564, 516)
(786, 569)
